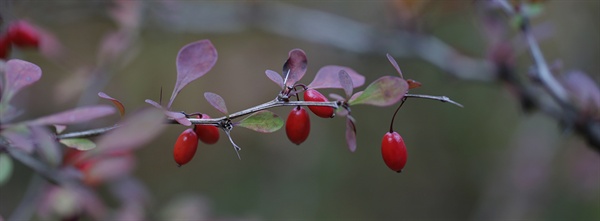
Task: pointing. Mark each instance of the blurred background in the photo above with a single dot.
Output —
(487, 161)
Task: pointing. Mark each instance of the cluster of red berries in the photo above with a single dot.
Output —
(297, 126)
(20, 34)
(187, 142)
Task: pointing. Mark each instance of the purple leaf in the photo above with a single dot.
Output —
(193, 61)
(134, 132)
(19, 136)
(262, 121)
(47, 147)
(110, 168)
(584, 91)
(346, 82)
(336, 97)
(395, 64)
(116, 102)
(179, 117)
(275, 77)
(350, 133)
(17, 75)
(384, 91)
(74, 116)
(216, 101)
(328, 77)
(295, 67)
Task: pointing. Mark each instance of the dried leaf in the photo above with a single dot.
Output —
(78, 143)
(350, 133)
(295, 67)
(262, 121)
(116, 102)
(74, 116)
(47, 147)
(216, 101)
(395, 64)
(328, 77)
(275, 77)
(193, 61)
(384, 91)
(17, 75)
(346, 82)
(6, 168)
(413, 84)
(59, 128)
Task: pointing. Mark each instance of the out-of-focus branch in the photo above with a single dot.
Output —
(324, 28)
(562, 108)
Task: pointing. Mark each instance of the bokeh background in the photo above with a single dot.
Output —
(487, 161)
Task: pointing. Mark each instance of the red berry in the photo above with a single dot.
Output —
(185, 147)
(297, 126)
(208, 134)
(393, 151)
(315, 96)
(4, 46)
(23, 34)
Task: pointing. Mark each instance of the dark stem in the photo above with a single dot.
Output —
(394, 116)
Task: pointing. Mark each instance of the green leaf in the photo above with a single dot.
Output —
(262, 121)
(79, 143)
(6, 166)
(384, 91)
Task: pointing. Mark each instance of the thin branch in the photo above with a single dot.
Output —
(438, 98)
(86, 133)
(550, 83)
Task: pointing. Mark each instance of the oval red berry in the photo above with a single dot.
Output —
(208, 134)
(315, 96)
(297, 126)
(185, 147)
(393, 151)
(23, 34)
(4, 46)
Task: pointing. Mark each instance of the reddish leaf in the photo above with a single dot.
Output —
(17, 75)
(350, 133)
(328, 77)
(216, 101)
(134, 132)
(179, 117)
(395, 64)
(384, 91)
(346, 82)
(275, 77)
(193, 61)
(74, 116)
(295, 67)
(116, 102)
